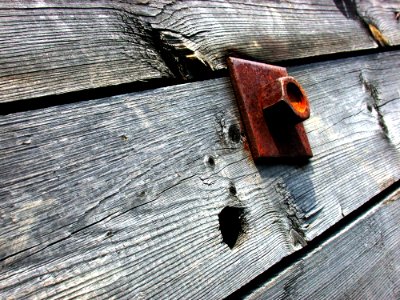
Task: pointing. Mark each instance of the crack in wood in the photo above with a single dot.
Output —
(162, 245)
(260, 285)
(181, 55)
(375, 103)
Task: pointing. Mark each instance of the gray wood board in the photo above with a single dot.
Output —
(269, 31)
(120, 197)
(54, 47)
(383, 18)
(359, 262)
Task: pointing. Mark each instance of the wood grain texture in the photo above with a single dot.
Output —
(119, 197)
(383, 19)
(269, 31)
(359, 262)
(54, 47)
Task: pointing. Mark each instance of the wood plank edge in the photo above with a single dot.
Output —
(156, 83)
(386, 196)
(47, 101)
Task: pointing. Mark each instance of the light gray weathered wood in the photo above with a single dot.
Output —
(54, 47)
(359, 262)
(120, 197)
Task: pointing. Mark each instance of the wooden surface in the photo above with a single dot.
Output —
(119, 197)
(265, 30)
(383, 19)
(54, 47)
(359, 262)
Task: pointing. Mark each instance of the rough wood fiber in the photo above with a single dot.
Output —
(119, 197)
(270, 31)
(53, 47)
(359, 262)
(383, 19)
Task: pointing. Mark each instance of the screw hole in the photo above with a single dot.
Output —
(234, 133)
(231, 224)
(232, 189)
(211, 161)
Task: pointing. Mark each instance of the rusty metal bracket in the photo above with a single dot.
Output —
(272, 105)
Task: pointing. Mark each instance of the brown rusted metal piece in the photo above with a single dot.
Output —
(272, 105)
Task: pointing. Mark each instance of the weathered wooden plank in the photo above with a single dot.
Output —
(382, 18)
(380, 98)
(54, 47)
(359, 262)
(120, 197)
(384, 93)
(206, 32)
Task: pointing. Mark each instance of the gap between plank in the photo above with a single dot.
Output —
(291, 259)
(103, 92)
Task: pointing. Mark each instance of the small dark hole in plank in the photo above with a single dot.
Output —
(211, 161)
(234, 133)
(231, 224)
(232, 189)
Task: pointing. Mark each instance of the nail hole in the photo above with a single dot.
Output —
(211, 161)
(296, 97)
(231, 224)
(232, 189)
(234, 133)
